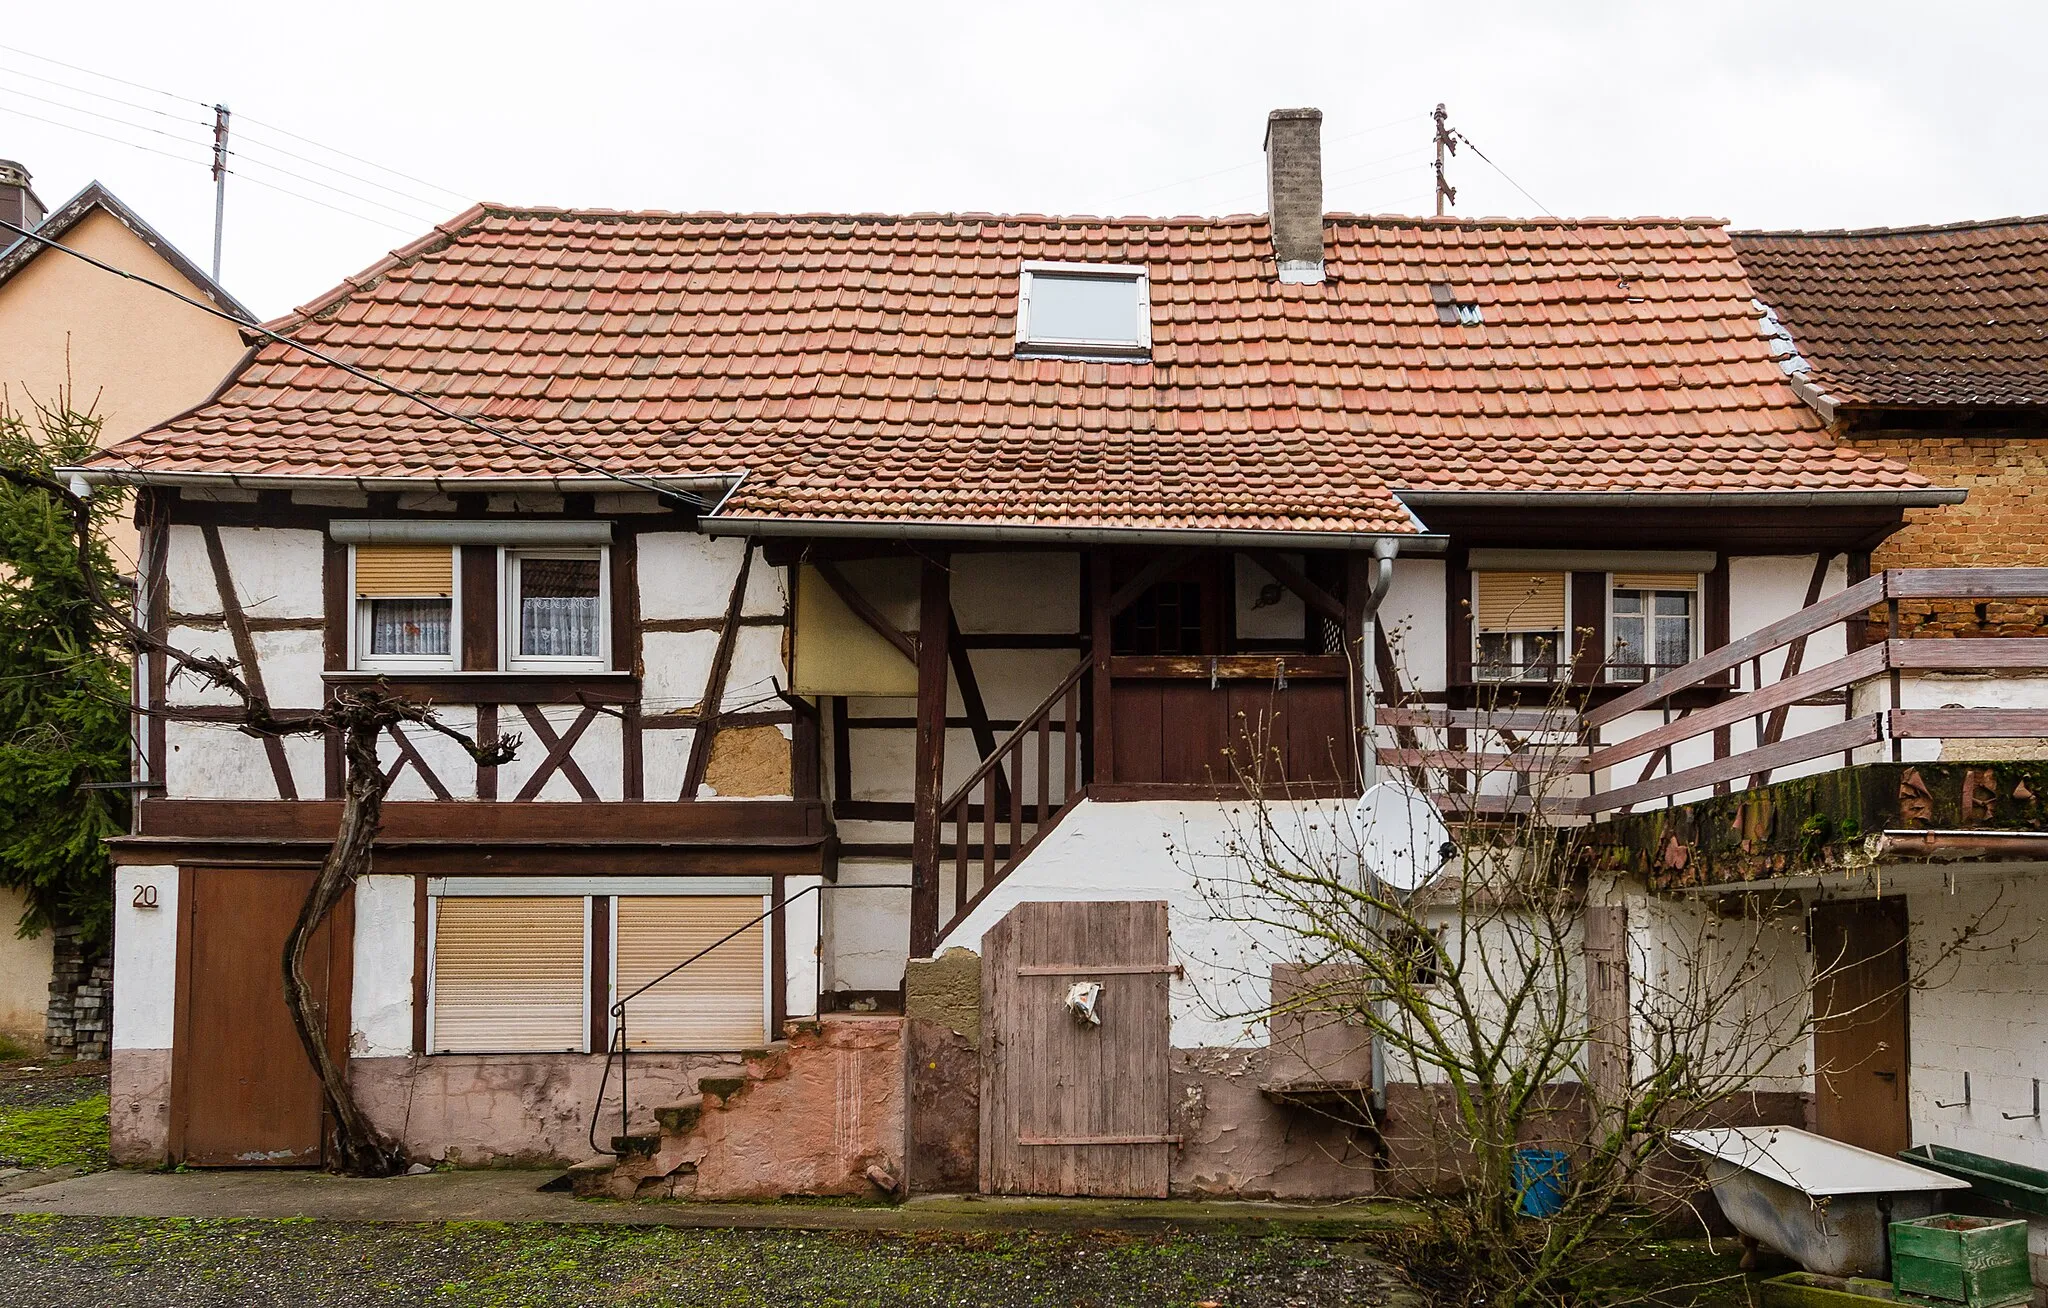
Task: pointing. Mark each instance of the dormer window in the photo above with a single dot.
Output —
(1084, 310)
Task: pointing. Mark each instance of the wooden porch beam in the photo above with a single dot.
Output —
(935, 613)
(1127, 594)
(971, 701)
(866, 612)
(1101, 612)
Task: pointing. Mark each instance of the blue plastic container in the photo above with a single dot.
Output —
(1541, 1177)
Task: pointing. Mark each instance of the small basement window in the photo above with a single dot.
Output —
(1084, 310)
(405, 607)
(556, 609)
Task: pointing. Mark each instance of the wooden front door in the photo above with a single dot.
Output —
(1069, 1108)
(243, 1093)
(1859, 1008)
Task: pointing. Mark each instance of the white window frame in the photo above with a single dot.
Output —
(1138, 346)
(359, 657)
(433, 922)
(611, 1023)
(510, 659)
(1562, 657)
(1694, 621)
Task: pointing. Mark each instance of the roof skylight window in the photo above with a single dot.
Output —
(1084, 310)
(1452, 311)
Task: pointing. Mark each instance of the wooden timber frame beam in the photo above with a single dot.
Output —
(935, 614)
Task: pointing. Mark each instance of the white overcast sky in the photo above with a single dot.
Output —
(1768, 114)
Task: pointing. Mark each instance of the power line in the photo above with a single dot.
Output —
(97, 95)
(340, 172)
(420, 181)
(94, 113)
(73, 127)
(309, 199)
(109, 77)
(248, 163)
(424, 401)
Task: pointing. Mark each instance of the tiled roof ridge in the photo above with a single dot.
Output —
(931, 216)
(1923, 229)
(439, 237)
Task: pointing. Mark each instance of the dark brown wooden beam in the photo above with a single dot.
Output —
(935, 611)
(971, 701)
(682, 822)
(1101, 621)
(1317, 599)
(1127, 594)
(865, 611)
(714, 683)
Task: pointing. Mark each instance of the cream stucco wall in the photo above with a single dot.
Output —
(24, 976)
(142, 353)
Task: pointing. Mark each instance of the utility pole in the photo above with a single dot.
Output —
(1446, 140)
(220, 179)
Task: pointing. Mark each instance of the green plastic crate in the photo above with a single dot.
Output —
(1980, 1262)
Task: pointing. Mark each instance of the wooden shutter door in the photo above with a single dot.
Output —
(719, 1002)
(1069, 1109)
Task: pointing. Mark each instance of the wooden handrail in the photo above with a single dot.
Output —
(1025, 725)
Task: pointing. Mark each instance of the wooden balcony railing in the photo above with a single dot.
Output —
(1039, 792)
(1868, 685)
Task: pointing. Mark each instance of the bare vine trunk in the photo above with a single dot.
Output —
(359, 1151)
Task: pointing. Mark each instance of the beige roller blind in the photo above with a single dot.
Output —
(1519, 601)
(508, 975)
(1656, 581)
(719, 1001)
(410, 570)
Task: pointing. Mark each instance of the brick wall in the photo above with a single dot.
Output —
(2004, 522)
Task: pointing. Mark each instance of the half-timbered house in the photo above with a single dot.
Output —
(865, 588)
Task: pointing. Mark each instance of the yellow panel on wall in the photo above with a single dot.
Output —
(838, 654)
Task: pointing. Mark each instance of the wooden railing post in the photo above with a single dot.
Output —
(935, 617)
(1101, 585)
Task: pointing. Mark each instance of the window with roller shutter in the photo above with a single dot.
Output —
(508, 975)
(406, 615)
(1518, 626)
(718, 1002)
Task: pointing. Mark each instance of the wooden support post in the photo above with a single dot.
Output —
(1362, 660)
(935, 612)
(1100, 614)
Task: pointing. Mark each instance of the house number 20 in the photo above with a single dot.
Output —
(145, 897)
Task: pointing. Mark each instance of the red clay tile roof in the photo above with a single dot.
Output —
(1913, 316)
(861, 368)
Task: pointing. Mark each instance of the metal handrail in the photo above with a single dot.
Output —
(618, 1049)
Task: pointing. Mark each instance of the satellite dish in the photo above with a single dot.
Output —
(1402, 837)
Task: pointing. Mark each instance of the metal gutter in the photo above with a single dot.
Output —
(715, 483)
(1920, 498)
(1421, 543)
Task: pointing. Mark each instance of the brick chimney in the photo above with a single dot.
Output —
(18, 202)
(1294, 191)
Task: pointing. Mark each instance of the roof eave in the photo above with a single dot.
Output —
(1907, 498)
(713, 483)
(1403, 542)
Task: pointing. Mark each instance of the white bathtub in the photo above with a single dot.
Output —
(1826, 1204)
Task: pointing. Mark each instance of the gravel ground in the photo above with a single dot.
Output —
(74, 1260)
(50, 1085)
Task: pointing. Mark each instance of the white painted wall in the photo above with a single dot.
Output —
(24, 974)
(1980, 1013)
(1181, 853)
(1413, 616)
(145, 958)
(803, 944)
(381, 1024)
(867, 932)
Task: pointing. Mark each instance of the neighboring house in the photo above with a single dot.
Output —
(889, 575)
(130, 354)
(1928, 345)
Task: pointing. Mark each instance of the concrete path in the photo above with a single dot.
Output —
(515, 1197)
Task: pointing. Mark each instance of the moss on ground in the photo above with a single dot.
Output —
(59, 1135)
(495, 1265)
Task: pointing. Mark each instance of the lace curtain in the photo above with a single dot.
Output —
(558, 613)
(409, 626)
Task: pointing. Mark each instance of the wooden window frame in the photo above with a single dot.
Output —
(1561, 656)
(359, 657)
(510, 557)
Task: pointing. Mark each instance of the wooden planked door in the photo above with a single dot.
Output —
(1859, 1007)
(1607, 1002)
(242, 1091)
(1071, 1109)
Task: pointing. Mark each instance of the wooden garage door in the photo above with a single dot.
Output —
(242, 1091)
(1072, 1109)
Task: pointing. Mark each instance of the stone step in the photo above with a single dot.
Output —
(635, 1146)
(679, 1119)
(589, 1178)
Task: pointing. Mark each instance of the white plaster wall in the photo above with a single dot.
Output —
(449, 762)
(277, 572)
(686, 575)
(145, 958)
(1178, 852)
(664, 757)
(677, 666)
(1750, 980)
(381, 1023)
(1017, 592)
(598, 752)
(868, 931)
(212, 760)
(803, 945)
(1980, 1013)
(758, 670)
(24, 974)
(1413, 617)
